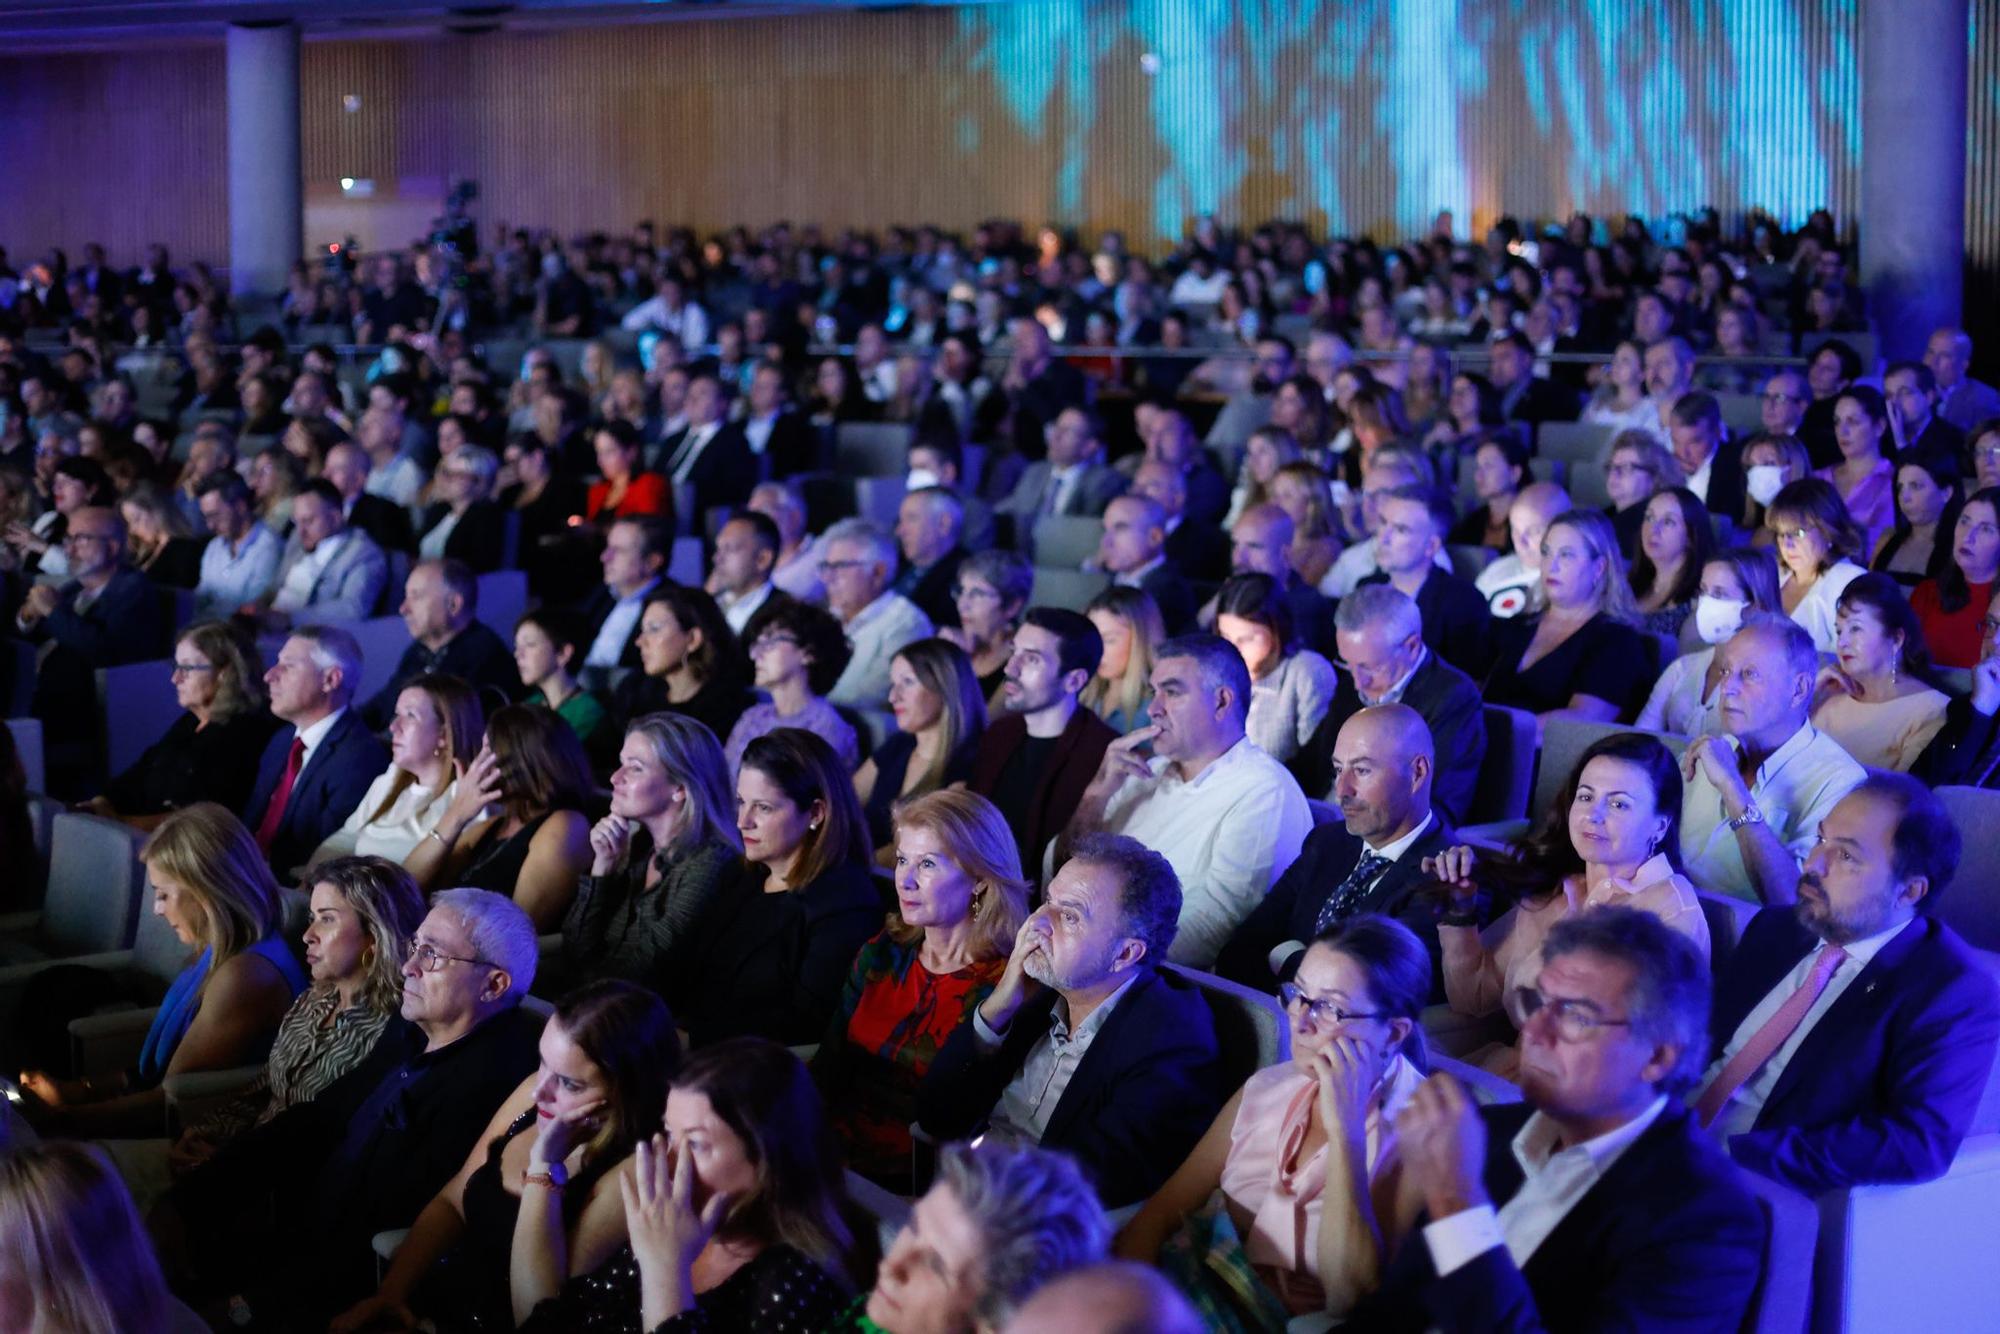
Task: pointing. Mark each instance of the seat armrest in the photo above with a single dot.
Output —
(193, 1095)
(20, 923)
(107, 1043)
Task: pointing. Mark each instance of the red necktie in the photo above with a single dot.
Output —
(1764, 1043)
(274, 814)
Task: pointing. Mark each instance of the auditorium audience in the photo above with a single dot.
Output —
(1129, 624)
(548, 647)
(1876, 701)
(1227, 817)
(435, 733)
(1580, 657)
(1391, 468)
(314, 772)
(1086, 1045)
(1674, 545)
(628, 490)
(960, 902)
(465, 524)
(989, 595)
(1513, 583)
(1734, 584)
(439, 608)
(635, 562)
(858, 564)
(1499, 471)
(940, 714)
(239, 566)
(739, 579)
(1290, 684)
(1408, 545)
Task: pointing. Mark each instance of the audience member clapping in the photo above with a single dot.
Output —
(1877, 700)
(435, 734)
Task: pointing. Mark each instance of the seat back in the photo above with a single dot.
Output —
(383, 640)
(95, 885)
(1067, 588)
(28, 745)
(1970, 904)
(1782, 1303)
(136, 705)
(872, 449)
(1588, 486)
(1507, 774)
(1467, 562)
(685, 565)
(1066, 541)
(1726, 918)
(503, 598)
(1250, 1027)
(1573, 441)
(880, 498)
(1563, 742)
(20, 677)
(1741, 413)
(1323, 812)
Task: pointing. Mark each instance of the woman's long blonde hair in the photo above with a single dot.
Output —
(1127, 695)
(74, 1240)
(209, 853)
(942, 668)
(976, 836)
(1614, 595)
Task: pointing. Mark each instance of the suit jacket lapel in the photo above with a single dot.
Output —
(1855, 1012)
(1084, 1078)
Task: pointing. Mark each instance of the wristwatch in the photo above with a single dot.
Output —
(555, 1177)
(1751, 815)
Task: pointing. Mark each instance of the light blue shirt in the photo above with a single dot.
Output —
(236, 578)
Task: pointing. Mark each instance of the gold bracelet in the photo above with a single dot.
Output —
(541, 1179)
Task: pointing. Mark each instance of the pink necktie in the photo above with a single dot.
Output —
(1764, 1043)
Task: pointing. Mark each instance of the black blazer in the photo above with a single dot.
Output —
(1884, 1087)
(1668, 1238)
(215, 763)
(332, 784)
(1175, 599)
(480, 539)
(1458, 625)
(1200, 550)
(385, 521)
(1962, 754)
(1544, 401)
(594, 610)
(793, 446)
(724, 473)
(1291, 910)
(931, 590)
(1451, 707)
(1140, 1098)
(1728, 490)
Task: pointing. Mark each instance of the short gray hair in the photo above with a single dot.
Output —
(1012, 577)
(1670, 984)
(865, 533)
(1149, 893)
(1379, 604)
(1036, 1214)
(1219, 663)
(940, 500)
(500, 932)
(483, 462)
(334, 648)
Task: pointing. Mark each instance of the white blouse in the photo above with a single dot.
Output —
(1817, 612)
(1676, 704)
(396, 833)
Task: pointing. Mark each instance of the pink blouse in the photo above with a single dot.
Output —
(1275, 1199)
(1872, 503)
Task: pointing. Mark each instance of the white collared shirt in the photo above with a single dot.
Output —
(1795, 787)
(737, 609)
(757, 430)
(1032, 1096)
(1742, 1110)
(609, 646)
(315, 734)
(297, 589)
(1228, 834)
(1553, 1181)
(1698, 483)
(234, 576)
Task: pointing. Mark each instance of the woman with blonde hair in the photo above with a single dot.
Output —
(1268, 449)
(1130, 624)
(434, 733)
(940, 714)
(1303, 492)
(74, 1256)
(210, 752)
(214, 888)
(160, 542)
(960, 901)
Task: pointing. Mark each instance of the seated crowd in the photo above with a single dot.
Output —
(663, 947)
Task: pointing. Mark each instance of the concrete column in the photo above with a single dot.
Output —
(1913, 124)
(266, 190)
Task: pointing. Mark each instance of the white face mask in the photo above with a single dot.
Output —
(1763, 481)
(920, 478)
(1716, 619)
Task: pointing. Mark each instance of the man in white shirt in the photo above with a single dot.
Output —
(1227, 816)
(858, 565)
(1855, 1031)
(669, 309)
(393, 475)
(1755, 796)
(1596, 1203)
(746, 550)
(334, 573)
(239, 566)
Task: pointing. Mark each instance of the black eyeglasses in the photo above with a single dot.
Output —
(1574, 1020)
(431, 959)
(1325, 1013)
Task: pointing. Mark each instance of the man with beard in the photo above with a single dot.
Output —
(1854, 1031)
(1085, 1044)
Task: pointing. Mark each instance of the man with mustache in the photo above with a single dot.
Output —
(1854, 1031)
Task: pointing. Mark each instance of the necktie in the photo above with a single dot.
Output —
(1340, 904)
(281, 796)
(1764, 1043)
(1052, 495)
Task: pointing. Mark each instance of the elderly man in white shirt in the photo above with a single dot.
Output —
(1224, 814)
(1755, 795)
(857, 565)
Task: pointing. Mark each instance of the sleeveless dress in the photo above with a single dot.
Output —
(496, 864)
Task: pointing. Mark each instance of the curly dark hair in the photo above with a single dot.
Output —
(822, 638)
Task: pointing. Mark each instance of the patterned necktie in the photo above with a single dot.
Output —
(1341, 903)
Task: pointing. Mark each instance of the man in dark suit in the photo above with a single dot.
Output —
(1369, 862)
(1172, 441)
(315, 772)
(712, 454)
(1133, 550)
(1525, 396)
(937, 460)
(635, 560)
(1199, 551)
(1854, 1033)
(1084, 1045)
(1597, 1203)
(1457, 622)
(1966, 750)
(1073, 479)
(108, 614)
(1036, 758)
(1036, 387)
(774, 430)
(1261, 543)
(1383, 660)
(1909, 390)
(440, 607)
(385, 521)
(1713, 466)
(928, 524)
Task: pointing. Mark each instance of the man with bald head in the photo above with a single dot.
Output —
(1513, 584)
(1133, 551)
(1198, 550)
(1113, 1298)
(1260, 543)
(1370, 862)
(1962, 400)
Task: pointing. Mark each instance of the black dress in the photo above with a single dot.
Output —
(892, 767)
(497, 862)
(178, 564)
(1603, 658)
(468, 1288)
(781, 1291)
(214, 763)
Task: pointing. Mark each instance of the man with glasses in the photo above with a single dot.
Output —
(1783, 405)
(1966, 750)
(106, 615)
(1963, 401)
(285, 1215)
(1383, 660)
(857, 565)
(1595, 1203)
(1853, 1030)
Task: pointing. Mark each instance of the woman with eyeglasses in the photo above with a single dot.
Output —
(1951, 605)
(1305, 1155)
(1613, 836)
(1818, 544)
(1877, 699)
(797, 653)
(992, 591)
(1636, 466)
(210, 752)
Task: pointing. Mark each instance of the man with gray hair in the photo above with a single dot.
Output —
(1224, 814)
(316, 771)
(858, 566)
(286, 1214)
(1962, 400)
(929, 523)
(1085, 1045)
(1597, 1202)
